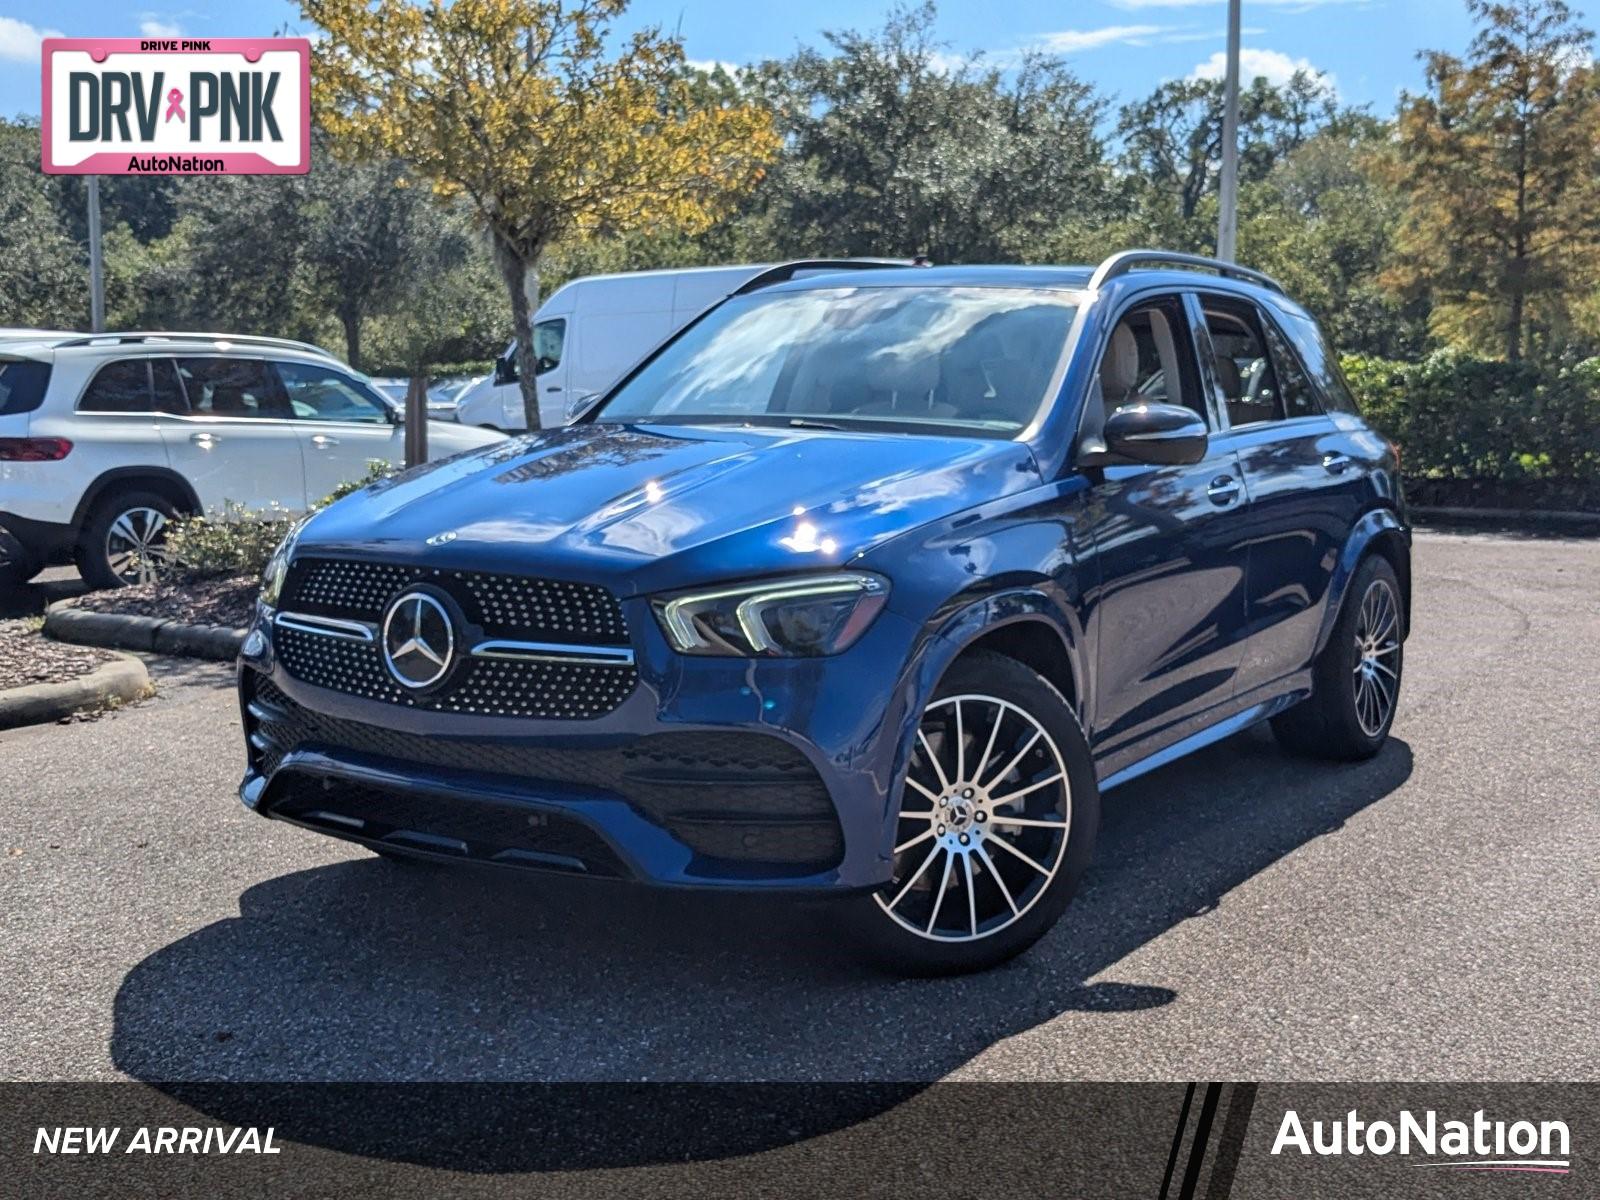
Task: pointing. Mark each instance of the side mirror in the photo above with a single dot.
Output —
(505, 369)
(1161, 434)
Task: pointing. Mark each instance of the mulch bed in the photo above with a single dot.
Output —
(227, 600)
(27, 657)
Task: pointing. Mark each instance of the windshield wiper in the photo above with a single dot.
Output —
(813, 423)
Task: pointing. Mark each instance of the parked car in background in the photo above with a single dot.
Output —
(864, 584)
(105, 438)
(394, 389)
(444, 393)
(593, 329)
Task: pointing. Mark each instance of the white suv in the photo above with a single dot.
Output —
(105, 437)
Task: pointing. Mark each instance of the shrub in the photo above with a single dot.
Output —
(1463, 418)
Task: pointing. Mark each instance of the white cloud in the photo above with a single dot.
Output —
(1275, 65)
(1070, 41)
(19, 41)
(153, 27)
(711, 64)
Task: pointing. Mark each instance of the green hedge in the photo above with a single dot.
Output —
(1468, 421)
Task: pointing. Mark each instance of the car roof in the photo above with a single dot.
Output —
(115, 343)
(1053, 278)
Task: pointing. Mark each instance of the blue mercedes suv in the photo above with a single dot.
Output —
(867, 582)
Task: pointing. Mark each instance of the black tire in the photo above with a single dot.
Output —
(95, 551)
(981, 679)
(1336, 722)
(18, 568)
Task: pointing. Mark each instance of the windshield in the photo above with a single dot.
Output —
(967, 360)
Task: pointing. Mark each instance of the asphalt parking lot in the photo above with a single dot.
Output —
(1429, 915)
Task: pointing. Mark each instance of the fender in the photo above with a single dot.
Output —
(165, 476)
(1379, 523)
(943, 645)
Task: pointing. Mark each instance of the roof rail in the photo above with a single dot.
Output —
(784, 272)
(238, 339)
(1123, 262)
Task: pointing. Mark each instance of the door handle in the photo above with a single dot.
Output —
(554, 387)
(1335, 464)
(1224, 490)
(322, 441)
(204, 440)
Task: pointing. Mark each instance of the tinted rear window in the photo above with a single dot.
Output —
(1321, 362)
(22, 386)
(119, 387)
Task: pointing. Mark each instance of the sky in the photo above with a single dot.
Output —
(1367, 48)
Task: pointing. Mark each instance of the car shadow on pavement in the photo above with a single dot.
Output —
(369, 970)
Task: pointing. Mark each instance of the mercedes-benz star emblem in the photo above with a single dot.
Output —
(419, 642)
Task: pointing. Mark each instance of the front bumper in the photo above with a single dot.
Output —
(719, 773)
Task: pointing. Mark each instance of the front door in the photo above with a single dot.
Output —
(235, 440)
(343, 426)
(1169, 608)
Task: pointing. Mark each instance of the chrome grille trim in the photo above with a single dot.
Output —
(553, 652)
(355, 631)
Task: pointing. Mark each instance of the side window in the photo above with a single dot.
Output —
(1150, 357)
(324, 394)
(1322, 364)
(167, 387)
(548, 338)
(22, 385)
(1298, 397)
(119, 387)
(1243, 369)
(232, 387)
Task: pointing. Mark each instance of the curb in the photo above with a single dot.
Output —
(153, 635)
(1528, 516)
(119, 681)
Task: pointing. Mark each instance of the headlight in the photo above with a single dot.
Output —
(804, 616)
(277, 568)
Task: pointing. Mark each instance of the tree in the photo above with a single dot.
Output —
(1500, 166)
(517, 105)
(892, 149)
(366, 232)
(44, 276)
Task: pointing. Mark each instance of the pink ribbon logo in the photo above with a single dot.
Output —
(175, 105)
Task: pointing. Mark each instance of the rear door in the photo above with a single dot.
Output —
(236, 440)
(343, 425)
(1171, 554)
(1303, 479)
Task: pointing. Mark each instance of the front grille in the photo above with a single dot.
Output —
(728, 796)
(464, 826)
(504, 606)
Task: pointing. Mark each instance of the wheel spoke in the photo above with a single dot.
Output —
(123, 528)
(931, 796)
(926, 863)
(938, 767)
(994, 732)
(1032, 787)
(1005, 845)
(921, 837)
(1012, 765)
(938, 901)
(997, 819)
(961, 746)
(906, 814)
(1387, 670)
(999, 879)
(972, 894)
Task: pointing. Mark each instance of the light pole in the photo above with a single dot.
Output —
(1228, 206)
(97, 275)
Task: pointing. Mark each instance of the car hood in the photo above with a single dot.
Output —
(643, 507)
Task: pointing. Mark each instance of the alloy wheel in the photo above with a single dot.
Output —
(983, 823)
(1377, 674)
(136, 545)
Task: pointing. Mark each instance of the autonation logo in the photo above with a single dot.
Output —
(1480, 1144)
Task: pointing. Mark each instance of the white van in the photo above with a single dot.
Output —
(591, 330)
